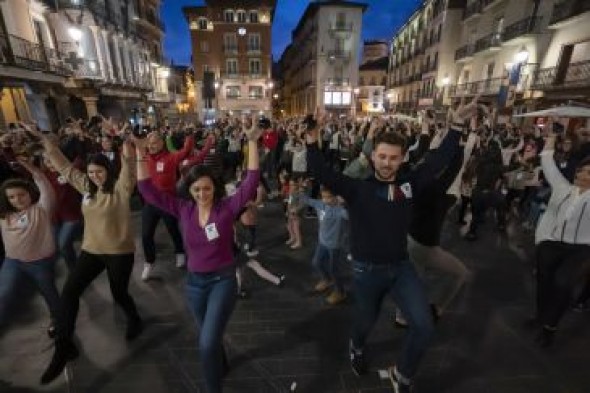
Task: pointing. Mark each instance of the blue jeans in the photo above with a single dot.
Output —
(41, 272)
(371, 284)
(65, 234)
(212, 298)
(326, 262)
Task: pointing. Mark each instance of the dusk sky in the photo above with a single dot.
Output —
(381, 20)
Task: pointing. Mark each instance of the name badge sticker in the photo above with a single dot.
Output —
(61, 180)
(23, 221)
(86, 199)
(159, 167)
(211, 232)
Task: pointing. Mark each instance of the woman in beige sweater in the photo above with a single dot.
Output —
(107, 243)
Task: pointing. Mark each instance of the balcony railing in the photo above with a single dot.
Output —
(568, 9)
(241, 75)
(486, 86)
(577, 75)
(338, 54)
(338, 81)
(522, 27)
(341, 26)
(464, 52)
(492, 40)
(26, 54)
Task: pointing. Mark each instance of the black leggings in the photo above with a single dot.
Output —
(89, 266)
(150, 216)
(561, 268)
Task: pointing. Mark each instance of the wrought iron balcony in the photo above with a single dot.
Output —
(576, 76)
(568, 9)
(524, 26)
(486, 87)
(22, 53)
(493, 40)
(464, 52)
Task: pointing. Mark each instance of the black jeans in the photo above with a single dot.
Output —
(561, 268)
(150, 216)
(481, 201)
(89, 266)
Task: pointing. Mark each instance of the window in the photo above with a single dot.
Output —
(231, 66)
(228, 16)
(255, 92)
(254, 42)
(204, 46)
(337, 98)
(362, 81)
(230, 42)
(203, 24)
(241, 14)
(205, 68)
(253, 16)
(254, 66)
(232, 91)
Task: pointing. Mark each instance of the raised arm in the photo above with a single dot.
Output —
(550, 170)
(337, 182)
(247, 189)
(47, 195)
(187, 149)
(127, 177)
(75, 177)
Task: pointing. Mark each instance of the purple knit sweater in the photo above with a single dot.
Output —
(205, 254)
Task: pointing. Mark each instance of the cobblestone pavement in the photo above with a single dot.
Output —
(286, 339)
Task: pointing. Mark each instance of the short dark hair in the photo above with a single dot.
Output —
(5, 206)
(391, 138)
(101, 160)
(197, 172)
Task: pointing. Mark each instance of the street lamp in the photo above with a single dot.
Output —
(446, 80)
(270, 85)
(75, 33)
(275, 96)
(216, 85)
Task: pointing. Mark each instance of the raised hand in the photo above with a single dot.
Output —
(253, 132)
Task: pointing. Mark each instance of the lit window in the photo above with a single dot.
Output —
(229, 16)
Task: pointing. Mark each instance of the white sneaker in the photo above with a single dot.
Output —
(252, 253)
(146, 274)
(180, 260)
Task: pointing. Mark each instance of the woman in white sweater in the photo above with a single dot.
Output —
(563, 243)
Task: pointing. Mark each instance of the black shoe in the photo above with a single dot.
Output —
(281, 281)
(398, 386)
(134, 328)
(65, 351)
(461, 222)
(471, 236)
(581, 307)
(545, 337)
(357, 361)
(243, 294)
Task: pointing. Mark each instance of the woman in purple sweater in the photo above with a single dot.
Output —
(206, 220)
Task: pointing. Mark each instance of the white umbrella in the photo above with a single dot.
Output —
(560, 111)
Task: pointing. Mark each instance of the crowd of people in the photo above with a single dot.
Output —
(381, 189)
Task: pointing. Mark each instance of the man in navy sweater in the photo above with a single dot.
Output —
(379, 211)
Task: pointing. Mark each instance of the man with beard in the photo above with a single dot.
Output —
(380, 213)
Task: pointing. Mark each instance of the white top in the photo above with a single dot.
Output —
(455, 188)
(567, 218)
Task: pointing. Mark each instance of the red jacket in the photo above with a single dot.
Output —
(163, 166)
(68, 205)
(270, 139)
